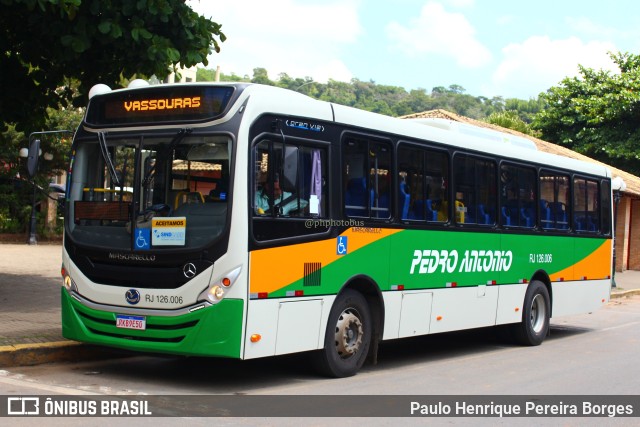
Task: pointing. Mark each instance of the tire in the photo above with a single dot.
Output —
(347, 338)
(535, 316)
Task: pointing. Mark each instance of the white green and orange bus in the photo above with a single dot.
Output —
(245, 221)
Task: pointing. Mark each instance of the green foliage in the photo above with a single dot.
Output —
(390, 100)
(511, 120)
(260, 76)
(597, 113)
(47, 42)
(16, 191)
(15, 194)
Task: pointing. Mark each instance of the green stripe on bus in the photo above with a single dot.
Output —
(212, 331)
(419, 259)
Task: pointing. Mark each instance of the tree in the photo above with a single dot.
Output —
(46, 43)
(16, 190)
(261, 76)
(597, 113)
(209, 75)
(510, 120)
(526, 110)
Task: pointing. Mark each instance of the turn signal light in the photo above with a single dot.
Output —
(256, 337)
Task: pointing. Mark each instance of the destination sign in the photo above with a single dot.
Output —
(162, 104)
(158, 104)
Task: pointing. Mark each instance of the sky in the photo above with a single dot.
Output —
(507, 48)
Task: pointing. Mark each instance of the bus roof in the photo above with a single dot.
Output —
(445, 132)
(464, 140)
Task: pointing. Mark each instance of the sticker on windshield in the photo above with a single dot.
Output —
(168, 231)
(143, 238)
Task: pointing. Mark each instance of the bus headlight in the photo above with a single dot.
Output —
(216, 292)
(219, 287)
(67, 281)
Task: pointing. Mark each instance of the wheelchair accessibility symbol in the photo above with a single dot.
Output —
(342, 245)
(143, 238)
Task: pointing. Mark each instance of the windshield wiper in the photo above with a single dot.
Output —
(176, 140)
(107, 158)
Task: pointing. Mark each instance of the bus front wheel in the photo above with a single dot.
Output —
(535, 315)
(347, 338)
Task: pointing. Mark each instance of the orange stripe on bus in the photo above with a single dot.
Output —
(596, 265)
(275, 268)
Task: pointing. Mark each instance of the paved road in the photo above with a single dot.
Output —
(30, 293)
(590, 354)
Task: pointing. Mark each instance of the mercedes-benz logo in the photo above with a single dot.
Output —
(189, 270)
(132, 296)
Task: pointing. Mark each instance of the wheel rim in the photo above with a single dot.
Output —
(349, 333)
(538, 313)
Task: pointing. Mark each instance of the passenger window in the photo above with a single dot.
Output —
(422, 192)
(518, 196)
(585, 204)
(605, 206)
(475, 190)
(367, 178)
(554, 203)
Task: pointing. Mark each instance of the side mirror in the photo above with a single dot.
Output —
(32, 159)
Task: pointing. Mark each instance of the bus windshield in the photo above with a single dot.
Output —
(148, 192)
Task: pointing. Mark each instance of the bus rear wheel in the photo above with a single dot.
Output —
(347, 338)
(535, 315)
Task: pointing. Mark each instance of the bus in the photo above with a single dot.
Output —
(244, 221)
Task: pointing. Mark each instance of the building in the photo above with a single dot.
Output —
(627, 215)
(185, 75)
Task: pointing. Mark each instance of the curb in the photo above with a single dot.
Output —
(61, 351)
(625, 294)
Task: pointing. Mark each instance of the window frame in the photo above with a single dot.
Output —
(425, 151)
(476, 190)
(352, 185)
(548, 210)
(274, 228)
(521, 202)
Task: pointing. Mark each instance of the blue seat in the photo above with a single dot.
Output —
(506, 216)
(545, 214)
(356, 199)
(432, 215)
(527, 217)
(585, 223)
(559, 215)
(483, 216)
(418, 211)
(382, 210)
(404, 200)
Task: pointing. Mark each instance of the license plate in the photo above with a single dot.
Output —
(131, 322)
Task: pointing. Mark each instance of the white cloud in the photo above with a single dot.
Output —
(462, 4)
(437, 31)
(539, 63)
(589, 28)
(284, 36)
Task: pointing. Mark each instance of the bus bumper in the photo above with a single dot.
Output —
(212, 331)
